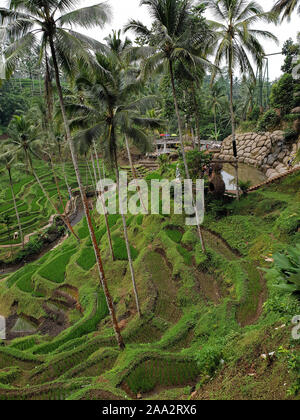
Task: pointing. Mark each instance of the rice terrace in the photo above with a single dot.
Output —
(111, 290)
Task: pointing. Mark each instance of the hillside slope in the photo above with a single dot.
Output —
(207, 319)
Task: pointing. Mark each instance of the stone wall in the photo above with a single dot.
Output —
(266, 151)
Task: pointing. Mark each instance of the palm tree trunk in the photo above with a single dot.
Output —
(15, 206)
(183, 153)
(128, 250)
(93, 180)
(196, 116)
(85, 204)
(66, 179)
(65, 220)
(134, 173)
(86, 174)
(233, 134)
(103, 205)
(215, 121)
(49, 102)
(193, 138)
(112, 134)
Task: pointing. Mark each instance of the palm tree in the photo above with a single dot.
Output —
(116, 44)
(175, 40)
(286, 8)
(119, 48)
(22, 138)
(37, 118)
(8, 159)
(28, 19)
(102, 201)
(236, 42)
(110, 111)
(216, 102)
(85, 145)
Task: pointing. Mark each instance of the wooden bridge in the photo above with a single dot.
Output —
(169, 143)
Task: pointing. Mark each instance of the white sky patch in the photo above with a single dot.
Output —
(123, 10)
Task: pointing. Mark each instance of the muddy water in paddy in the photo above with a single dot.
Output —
(246, 173)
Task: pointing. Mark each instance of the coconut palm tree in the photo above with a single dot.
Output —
(22, 138)
(286, 8)
(236, 42)
(86, 145)
(36, 24)
(216, 101)
(175, 40)
(8, 160)
(28, 19)
(109, 112)
(37, 118)
(119, 48)
(117, 44)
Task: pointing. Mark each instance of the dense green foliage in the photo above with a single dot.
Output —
(184, 334)
(143, 306)
(282, 94)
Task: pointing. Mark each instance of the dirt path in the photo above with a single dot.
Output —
(27, 237)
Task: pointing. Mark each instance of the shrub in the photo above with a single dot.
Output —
(33, 247)
(244, 186)
(288, 221)
(268, 121)
(254, 114)
(196, 162)
(282, 94)
(290, 135)
(247, 126)
(287, 269)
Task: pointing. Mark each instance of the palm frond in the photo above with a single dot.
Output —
(87, 17)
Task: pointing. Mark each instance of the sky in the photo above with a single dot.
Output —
(123, 10)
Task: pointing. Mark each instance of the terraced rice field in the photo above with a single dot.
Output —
(33, 207)
(206, 319)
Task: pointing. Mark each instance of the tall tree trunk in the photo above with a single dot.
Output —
(234, 147)
(196, 116)
(86, 174)
(15, 206)
(49, 102)
(112, 134)
(64, 219)
(93, 180)
(193, 138)
(215, 121)
(103, 205)
(134, 173)
(66, 179)
(85, 204)
(48, 89)
(183, 153)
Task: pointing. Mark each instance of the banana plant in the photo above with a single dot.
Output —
(287, 268)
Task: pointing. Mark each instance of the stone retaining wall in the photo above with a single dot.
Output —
(266, 151)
